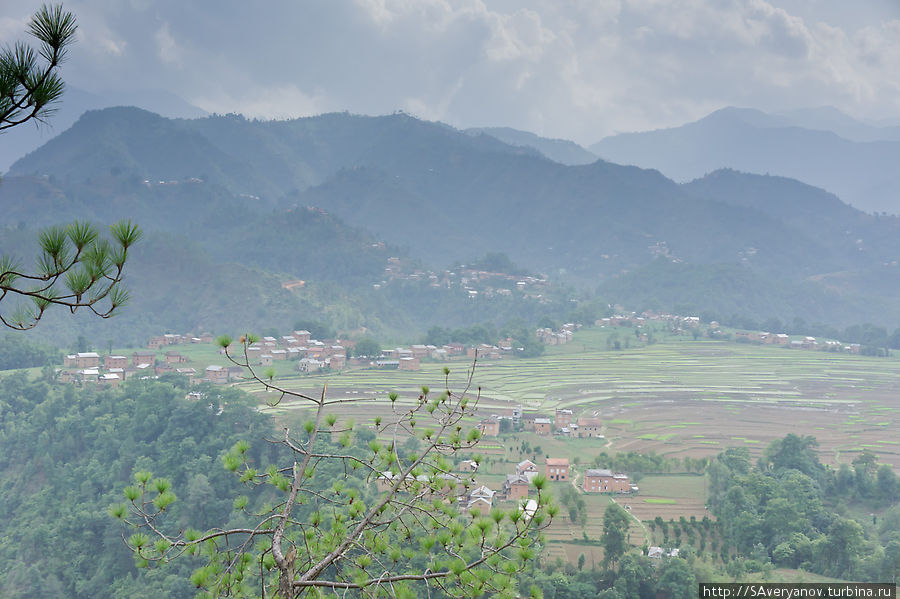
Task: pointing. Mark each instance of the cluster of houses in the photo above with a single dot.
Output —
(312, 355)
(764, 337)
(674, 322)
(409, 358)
(679, 324)
(565, 333)
(516, 487)
(149, 183)
(110, 370)
(177, 339)
(561, 424)
(557, 470)
(475, 282)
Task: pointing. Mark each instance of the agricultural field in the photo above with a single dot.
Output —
(668, 496)
(677, 398)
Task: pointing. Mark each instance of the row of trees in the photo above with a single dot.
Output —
(525, 342)
(636, 463)
(866, 334)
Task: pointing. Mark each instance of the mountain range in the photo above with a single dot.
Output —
(823, 147)
(329, 198)
(23, 139)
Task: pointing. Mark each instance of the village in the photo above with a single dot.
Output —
(332, 355)
(517, 485)
(474, 281)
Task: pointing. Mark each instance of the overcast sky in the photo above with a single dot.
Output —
(578, 69)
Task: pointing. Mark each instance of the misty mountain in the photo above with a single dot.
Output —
(19, 141)
(861, 173)
(326, 198)
(444, 194)
(587, 222)
(828, 118)
(558, 150)
(814, 212)
(265, 159)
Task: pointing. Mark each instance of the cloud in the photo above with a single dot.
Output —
(578, 69)
(13, 29)
(279, 102)
(167, 48)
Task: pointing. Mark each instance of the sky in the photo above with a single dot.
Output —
(573, 69)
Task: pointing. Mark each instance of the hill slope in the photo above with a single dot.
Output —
(274, 196)
(558, 150)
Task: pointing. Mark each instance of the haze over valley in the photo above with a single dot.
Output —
(449, 298)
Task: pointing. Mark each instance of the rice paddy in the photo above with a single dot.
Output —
(732, 394)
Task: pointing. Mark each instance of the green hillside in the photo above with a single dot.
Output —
(328, 199)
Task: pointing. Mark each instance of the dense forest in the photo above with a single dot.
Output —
(68, 452)
(788, 509)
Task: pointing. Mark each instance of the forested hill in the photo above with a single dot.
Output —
(263, 158)
(445, 194)
(873, 238)
(209, 260)
(328, 197)
(68, 453)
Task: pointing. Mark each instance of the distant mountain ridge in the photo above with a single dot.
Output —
(262, 158)
(862, 171)
(19, 141)
(828, 118)
(559, 150)
(289, 189)
(478, 191)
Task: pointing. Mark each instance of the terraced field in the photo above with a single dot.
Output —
(678, 398)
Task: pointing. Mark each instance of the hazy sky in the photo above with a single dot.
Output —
(578, 69)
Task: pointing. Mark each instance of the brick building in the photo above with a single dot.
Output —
(589, 428)
(115, 362)
(527, 468)
(557, 469)
(563, 418)
(606, 481)
(489, 427)
(515, 486)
